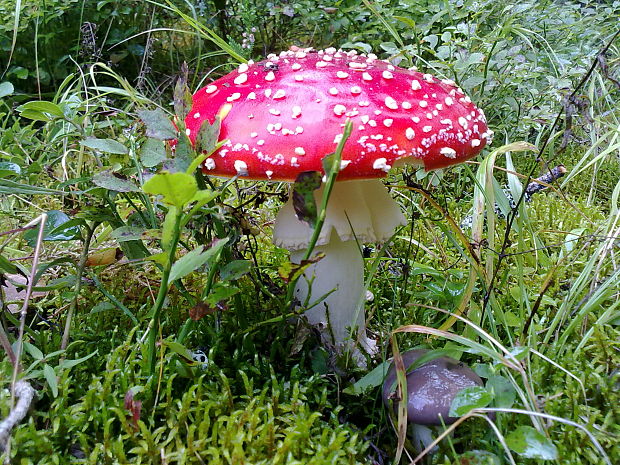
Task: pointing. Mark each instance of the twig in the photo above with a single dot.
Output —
(25, 393)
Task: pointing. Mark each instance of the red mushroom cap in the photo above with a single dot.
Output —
(284, 114)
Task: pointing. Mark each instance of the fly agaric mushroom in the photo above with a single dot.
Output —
(431, 388)
(282, 116)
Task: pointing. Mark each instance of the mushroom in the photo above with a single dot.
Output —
(282, 116)
(431, 388)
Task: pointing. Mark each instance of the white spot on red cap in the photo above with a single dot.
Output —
(241, 167)
(427, 128)
(415, 85)
(241, 79)
(449, 101)
(253, 134)
(210, 164)
(251, 96)
(299, 78)
(406, 105)
(381, 164)
(296, 67)
(475, 142)
(269, 173)
(296, 111)
(260, 142)
(233, 97)
(423, 103)
(280, 94)
(274, 112)
(388, 122)
(428, 77)
(448, 152)
(391, 103)
(321, 64)
(387, 75)
(339, 110)
(333, 91)
(364, 103)
(366, 77)
(243, 67)
(356, 90)
(409, 133)
(210, 89)
(187, 132)
(270, 76)
(300, 151)
(342, 75)
(357, 65)
(197, 115)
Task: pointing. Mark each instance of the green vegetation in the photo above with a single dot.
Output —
(141, 266)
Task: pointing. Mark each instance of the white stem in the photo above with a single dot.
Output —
(333, 290)
(357, 212)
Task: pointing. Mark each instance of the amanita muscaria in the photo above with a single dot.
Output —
(282, 116)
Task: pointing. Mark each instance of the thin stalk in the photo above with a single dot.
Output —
(163, 292)
(22, 320)
(78, 283)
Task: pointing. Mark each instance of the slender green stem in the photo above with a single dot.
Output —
(90, 230)
(163, 292)
(331, 179)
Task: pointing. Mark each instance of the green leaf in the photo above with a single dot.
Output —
(179, 349)
(370, 380)
(195, 259)
(12, 187)
(152, 153)
(469, 398)
(108, 180)
(529, 443)
(74, 362)
(168, 227)
(7, 267)
(183, 155)
(176, 188)
(182, 97)
(35, 115)
(208, 135)
(220, 292)
(9, 169)
(50, 377)
(158, 125)
(41, 106)
(503, 390)
(235, 270)
(204, 196)
(127, 233)
(57, 228)
(105, 145)
(33, 351)
(6, 88)
(304, 202)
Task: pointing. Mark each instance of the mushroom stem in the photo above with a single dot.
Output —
(332, 289)
(357, 212)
